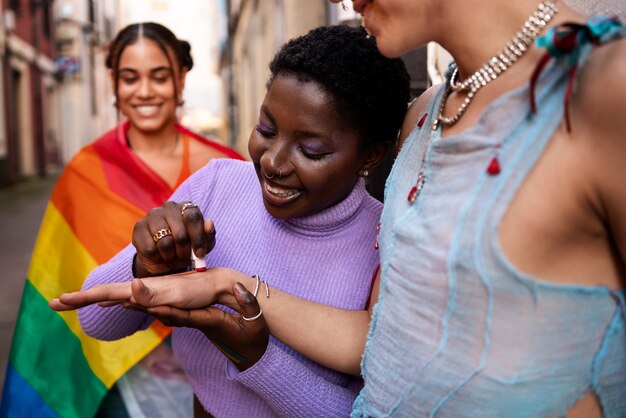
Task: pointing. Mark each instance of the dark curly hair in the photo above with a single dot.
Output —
(370, 92)
(164, 38)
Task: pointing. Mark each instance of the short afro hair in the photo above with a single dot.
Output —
(370, 91)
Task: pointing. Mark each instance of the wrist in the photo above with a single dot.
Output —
(223, 286)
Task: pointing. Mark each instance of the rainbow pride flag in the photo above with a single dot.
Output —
(55, 369)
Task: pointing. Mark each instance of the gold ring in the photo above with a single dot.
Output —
(187, 205)
(161, 233)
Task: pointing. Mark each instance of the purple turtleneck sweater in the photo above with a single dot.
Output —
(328, 257)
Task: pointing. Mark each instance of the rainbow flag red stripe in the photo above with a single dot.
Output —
(55, 369)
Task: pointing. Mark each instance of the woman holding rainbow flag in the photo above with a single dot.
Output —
(108, 186)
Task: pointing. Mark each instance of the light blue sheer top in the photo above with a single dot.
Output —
(458, 331)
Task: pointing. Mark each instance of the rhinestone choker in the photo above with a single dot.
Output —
(498, 64)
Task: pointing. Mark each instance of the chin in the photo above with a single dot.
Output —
(276, 212)
(390, 49)
(148, 126)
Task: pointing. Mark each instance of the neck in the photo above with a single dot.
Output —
(487, 28)
(163, 141)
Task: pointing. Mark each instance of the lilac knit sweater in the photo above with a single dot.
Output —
(328, 257)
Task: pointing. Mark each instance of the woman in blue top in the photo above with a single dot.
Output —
(503, 237)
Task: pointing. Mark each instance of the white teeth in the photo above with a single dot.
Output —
(147, 110)
(279, 192)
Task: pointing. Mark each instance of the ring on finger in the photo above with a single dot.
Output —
(187, 205)
(253, 318)
(161, 233)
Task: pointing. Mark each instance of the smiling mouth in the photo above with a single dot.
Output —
(147, 110)
(279, 195)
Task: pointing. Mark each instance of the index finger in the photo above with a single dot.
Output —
(99, 293)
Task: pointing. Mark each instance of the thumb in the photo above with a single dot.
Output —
(248, 304)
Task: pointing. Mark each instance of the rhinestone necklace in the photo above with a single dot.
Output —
(498, 64)
(501, 62)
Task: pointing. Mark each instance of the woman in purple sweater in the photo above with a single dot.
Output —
(298, 216)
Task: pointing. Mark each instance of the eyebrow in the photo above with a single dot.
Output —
(267, 113)
(301, 134)
(152, 70)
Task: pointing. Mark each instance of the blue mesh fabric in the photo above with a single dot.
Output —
(458, 330)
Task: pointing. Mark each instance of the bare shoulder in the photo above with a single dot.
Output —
(601, 91)
(598, 117)
(599, 102)
(415, 111)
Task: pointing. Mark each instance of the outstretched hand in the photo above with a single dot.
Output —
(243, 341)
(184, 300)
(185, 290)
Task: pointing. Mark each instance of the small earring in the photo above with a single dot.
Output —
(266, 176)
(365, 173)
(368, 34)
(280, 173)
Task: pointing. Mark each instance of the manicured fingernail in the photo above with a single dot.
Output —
(241, 289)
(246, 296)
(198, 261)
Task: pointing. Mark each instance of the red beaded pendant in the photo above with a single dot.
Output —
(415, 190)
(422, 120)
(494, 167)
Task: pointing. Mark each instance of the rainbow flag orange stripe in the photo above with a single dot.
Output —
(55, 369)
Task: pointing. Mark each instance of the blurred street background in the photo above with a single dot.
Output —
(55, 93)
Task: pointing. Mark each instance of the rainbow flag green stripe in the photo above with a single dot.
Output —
(80, 392)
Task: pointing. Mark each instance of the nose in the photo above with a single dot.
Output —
(144, 89)
(275, 160)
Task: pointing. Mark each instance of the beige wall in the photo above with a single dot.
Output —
(84, 99)
(263, 27)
